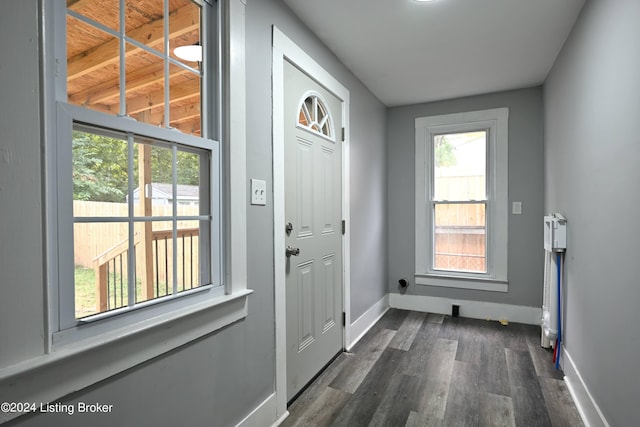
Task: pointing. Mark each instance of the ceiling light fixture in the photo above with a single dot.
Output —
(191, 53)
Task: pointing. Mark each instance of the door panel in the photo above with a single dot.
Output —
(304, 193)
(313, 205)
(306, 304)
(328, 189)
(328, 288)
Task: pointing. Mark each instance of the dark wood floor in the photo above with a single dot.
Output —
(418, 369)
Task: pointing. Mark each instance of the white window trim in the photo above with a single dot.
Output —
(496, 120)
(70, 366)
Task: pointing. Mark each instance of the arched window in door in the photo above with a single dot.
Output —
(314, 116)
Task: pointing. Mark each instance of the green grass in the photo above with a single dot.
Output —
(85, 291)
(85, 281)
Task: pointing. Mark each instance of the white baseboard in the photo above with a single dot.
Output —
(472, 309)
(281, 419)
(263, 415)
(369, 318)
(587, 407)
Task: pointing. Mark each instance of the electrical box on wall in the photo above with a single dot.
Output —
(555, 233)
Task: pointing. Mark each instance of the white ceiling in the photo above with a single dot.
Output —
(407, 52)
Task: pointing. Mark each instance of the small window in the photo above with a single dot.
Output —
(314, 116)
(461, 200)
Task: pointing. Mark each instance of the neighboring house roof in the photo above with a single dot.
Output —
(165, 191)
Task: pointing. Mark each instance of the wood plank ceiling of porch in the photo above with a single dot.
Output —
(93, 61)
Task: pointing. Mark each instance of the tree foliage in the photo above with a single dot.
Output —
(100, 167)
(444, 152)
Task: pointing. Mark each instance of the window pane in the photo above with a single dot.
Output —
(185, 86)
(302, 118)
(184, 31)
(104, 12)
(309, 110)
(101, 260)
(99, 175)
(155, 256)
(188, 169)
(460, 166)
(93, 67)
(188, 256)
(323, 120)
(460, 237)
(145, 87)
(154, 259)
(144, 22)
(193, 186)
(184, 100)
(153, 193)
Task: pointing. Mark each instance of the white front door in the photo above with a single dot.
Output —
(313, 229)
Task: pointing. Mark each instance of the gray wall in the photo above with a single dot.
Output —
(525, 185)
(592, 153)
(219, 379)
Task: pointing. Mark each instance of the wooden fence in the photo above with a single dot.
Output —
(97, 243)
(460, 235)
(460, 187)
(92, 239)
(462, 252)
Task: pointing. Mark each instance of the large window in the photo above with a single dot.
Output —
(138, 162)
(461, 200)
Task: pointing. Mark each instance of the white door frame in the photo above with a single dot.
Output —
(285, 49)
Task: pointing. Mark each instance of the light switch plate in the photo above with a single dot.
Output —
(258, 192)
(516, 208)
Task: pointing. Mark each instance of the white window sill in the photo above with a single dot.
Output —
(72, 367)
(462, 282)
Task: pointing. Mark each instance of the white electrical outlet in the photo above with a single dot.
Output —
(258, 192)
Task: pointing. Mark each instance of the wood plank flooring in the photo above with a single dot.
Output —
(421, 370)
